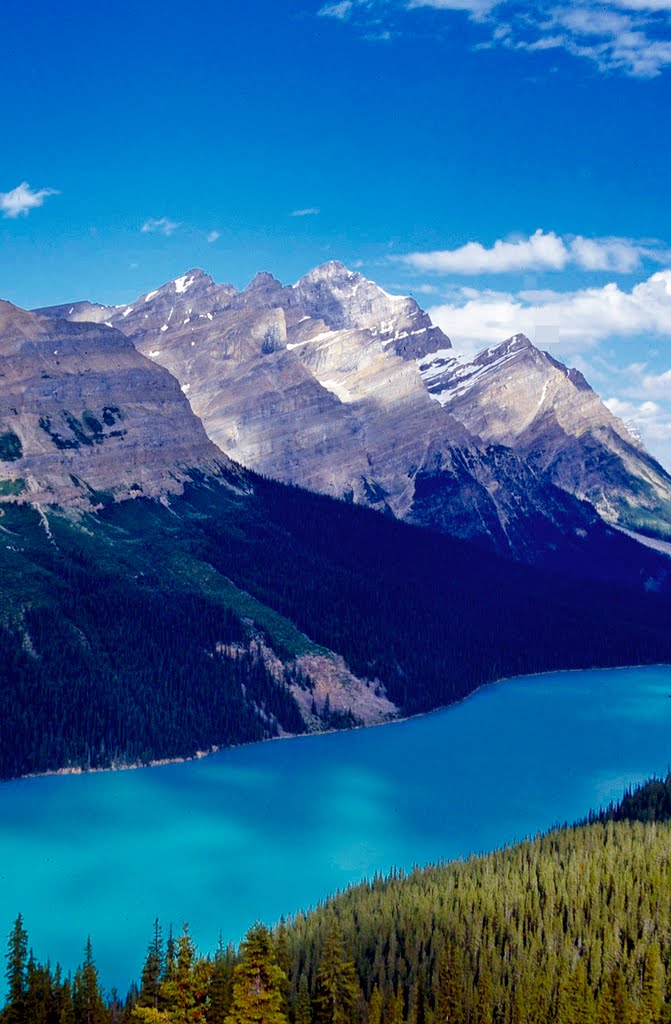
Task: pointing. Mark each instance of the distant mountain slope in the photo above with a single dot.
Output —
(319, 384)
(515, 395)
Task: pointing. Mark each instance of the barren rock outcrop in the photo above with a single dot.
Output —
(84, 417)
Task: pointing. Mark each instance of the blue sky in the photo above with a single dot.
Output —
(506, 162)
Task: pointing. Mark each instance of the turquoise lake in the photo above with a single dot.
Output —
(264, 830)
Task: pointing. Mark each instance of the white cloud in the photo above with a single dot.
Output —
(309, 211)
(540, 251)
(575, 320)
(21, 200)
(160, 225)
(339, 10)
(213, 236)
(627, 36)
(652, 420)
(643, 5)
(475, 7)
(614, 40)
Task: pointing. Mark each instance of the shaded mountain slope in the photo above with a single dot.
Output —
(118, 625)
(515, 395)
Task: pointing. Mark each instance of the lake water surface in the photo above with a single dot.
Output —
(264, 830)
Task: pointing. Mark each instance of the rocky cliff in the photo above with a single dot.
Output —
(515, 395)
(318, 384)
(84, 416)
(334, 384)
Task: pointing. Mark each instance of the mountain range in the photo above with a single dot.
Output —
(337, 386)
(167, 585)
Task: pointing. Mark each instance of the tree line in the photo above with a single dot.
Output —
(573, 927)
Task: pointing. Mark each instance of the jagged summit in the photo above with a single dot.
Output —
(193, 280)
(331, 270)
(516, 395)
(263, 280)
(192, 283)
(518, 342)
(337, 385)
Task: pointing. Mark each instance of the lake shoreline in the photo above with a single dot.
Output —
(262, 832)
(200, 754)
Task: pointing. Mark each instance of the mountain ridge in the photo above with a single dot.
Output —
(320, 384)
(519, 396)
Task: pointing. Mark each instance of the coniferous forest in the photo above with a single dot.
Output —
(115, 626)
(573, 927)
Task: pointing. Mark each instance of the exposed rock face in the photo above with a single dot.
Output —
(328, 686)
(318, 384)
(84, 416)
(518, 396)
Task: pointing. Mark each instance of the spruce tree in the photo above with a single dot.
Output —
(17, 961)
(152, 971)
(66, 1009)
(221, 984)
(374, 1007)
(450, 993)
(336, 985)
(258, 982)
(39, 998)
(303, 1008)
(183, 996)
(653, 986)
(87, 996)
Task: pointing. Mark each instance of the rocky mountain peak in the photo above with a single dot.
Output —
(518, 343)
(14, 320)
(346, 300)
(331, 271)
(516, 395)
(263, 280)
(263, 291)
(194, 282)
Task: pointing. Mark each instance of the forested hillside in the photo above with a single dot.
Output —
(116, 626)
(570, 928)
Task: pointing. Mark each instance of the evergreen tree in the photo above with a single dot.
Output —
(374, 1007)
(303, 1007)
(336, 985)
(89, 1007)
(221, 984)
(39, 998)
(395, 1009)
(185, 994)
(484, 997)
(152, 971)
(66, 1007)
(17, 953)
(653, 986)
(258, 982)
(282, 956)
(450, 994)
(621, 1002)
